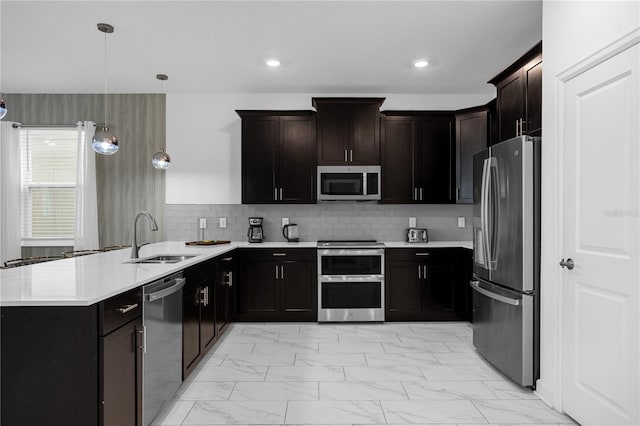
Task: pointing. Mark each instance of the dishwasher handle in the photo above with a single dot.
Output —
(178, 284)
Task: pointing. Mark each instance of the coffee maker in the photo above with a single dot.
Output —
(255, 230)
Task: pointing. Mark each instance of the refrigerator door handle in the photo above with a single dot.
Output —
(491, 211)
(484, 212)
(500, 298)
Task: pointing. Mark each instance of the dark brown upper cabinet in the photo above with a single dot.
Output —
(348, 131)
(519, 91)
(278, 157)
(417, 157)
(471, 137)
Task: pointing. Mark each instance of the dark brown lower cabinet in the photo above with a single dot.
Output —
(276, 285)
(225, 268)
(198, 314)
(72, 366)
(426, 285)
(121, 375)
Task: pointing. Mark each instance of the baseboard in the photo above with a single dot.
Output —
(546, 394)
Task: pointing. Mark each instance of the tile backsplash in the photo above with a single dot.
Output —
(320, 221)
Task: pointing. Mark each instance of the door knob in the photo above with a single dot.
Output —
(568, 264)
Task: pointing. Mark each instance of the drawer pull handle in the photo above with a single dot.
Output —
(422, 254)
(127, 308)
(279, 254)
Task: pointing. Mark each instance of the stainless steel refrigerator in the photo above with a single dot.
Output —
(506, 246)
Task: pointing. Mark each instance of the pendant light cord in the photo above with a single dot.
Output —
(105, 80)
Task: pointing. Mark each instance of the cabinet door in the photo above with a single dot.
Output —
(333, 135)
(190, 325)
(471, 138)
(403, 291)
(440, 286)
(208, 330)
(298, 290)
(258, 290)
(296, 169)
(259, 143)
(510, 104)
(364, 147)
(122, 376)
(434, 162)
(398, 138)
(533, 79)
(224, 282)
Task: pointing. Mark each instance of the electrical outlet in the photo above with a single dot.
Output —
(461, 222)
(203, 223)
(412, 222)
(223, 222)
(285, 221)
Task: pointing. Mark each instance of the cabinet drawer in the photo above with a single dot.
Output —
(119, 310)
(417, 254)
(278, 255)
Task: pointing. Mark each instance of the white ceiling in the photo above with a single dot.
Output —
(215, 46)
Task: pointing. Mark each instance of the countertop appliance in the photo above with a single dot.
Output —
(290, 232)
(349, 183)
(350, 281)
(417, 235)
(162, 361)
(506, 246)
(255, 233)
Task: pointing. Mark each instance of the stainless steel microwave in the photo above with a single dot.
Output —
(348, 183)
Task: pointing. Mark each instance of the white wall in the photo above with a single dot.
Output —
(203, 136)
(571, 31)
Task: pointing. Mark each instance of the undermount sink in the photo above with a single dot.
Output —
(162, 258)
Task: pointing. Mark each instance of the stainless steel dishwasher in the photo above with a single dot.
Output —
(162, 321)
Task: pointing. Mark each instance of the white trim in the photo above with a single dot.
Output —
(550, 389)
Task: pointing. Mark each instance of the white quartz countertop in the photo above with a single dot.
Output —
(85, 280)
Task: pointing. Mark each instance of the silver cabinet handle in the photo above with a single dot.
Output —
(422, 254)
(351, 155)
(421, 198)
(230, 275)
(280, 193)
(424, 274)
(419, 272)
(278, 254)
(345, 155)
(203, 296)
(275, 193)
(282, 272)
(128, 308)
(458, 193)
(569, 264)
(276, 272)
(522, 123)
(415, 194)
(494, 296)
(517, 128)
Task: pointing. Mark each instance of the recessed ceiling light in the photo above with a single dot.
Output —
(273, 63)
(421, 63)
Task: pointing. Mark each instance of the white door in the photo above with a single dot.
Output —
(601, 324)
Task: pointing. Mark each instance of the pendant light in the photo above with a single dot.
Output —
(3, 108)
(161, 159)
(104, 141)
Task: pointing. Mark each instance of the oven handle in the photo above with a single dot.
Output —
(349, 278)
(350, 252)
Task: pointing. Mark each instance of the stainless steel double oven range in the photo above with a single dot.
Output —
(350, 281)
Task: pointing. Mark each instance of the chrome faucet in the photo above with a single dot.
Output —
(153, 226)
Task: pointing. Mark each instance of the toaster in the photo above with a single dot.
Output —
(417, 235)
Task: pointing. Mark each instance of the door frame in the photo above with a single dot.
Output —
(550, 387)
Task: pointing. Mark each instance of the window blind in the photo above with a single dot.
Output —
(48, 176)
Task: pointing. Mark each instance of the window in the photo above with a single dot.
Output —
(48, 174)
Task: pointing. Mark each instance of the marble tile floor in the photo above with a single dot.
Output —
(351, 374)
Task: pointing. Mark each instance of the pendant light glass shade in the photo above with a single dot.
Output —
(3, 108)
(104, 141)
(161, 160)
